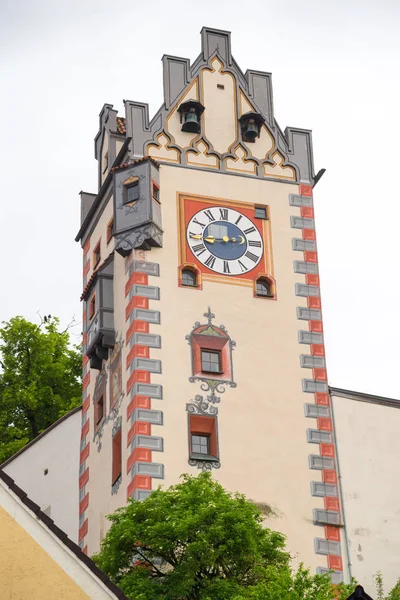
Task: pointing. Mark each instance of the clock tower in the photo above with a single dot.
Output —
(203, 337)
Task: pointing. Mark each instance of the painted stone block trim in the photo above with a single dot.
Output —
(151, 416)
(295, 200)
(320, 410)
(311, 362)
(155, 470)
(302, 289)
(152, 390)
(315, 410)
(311, 386)
(303, 245)
(140, 366)
(149, 316)
(314, 436)
(336, 576)
(147, 291)
(146, 339)
(320, 489)
(326, 517)
(141, 494)
(301, 223)
(145, 267)
(308, 314)
(326, 547)
(146, 364)
(300, 266)
(319, 463)
(152, 442)
(309, 337)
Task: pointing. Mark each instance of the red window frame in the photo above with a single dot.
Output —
(207, 426)
(116, 456)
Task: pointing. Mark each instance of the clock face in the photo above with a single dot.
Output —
(224, 240)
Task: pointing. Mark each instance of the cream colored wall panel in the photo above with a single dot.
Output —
(200, 158)
(219, 117)
(262, 428)
(277, 170)
(239, 164)
(161, 150)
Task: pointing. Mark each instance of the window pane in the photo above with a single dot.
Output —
(188, 277)
(263, 287)
(210, 361)
(131, 193)
(260, 212)
(200, 444)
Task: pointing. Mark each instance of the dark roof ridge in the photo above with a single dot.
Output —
(41, 435)
(49, 523)
(362, 396)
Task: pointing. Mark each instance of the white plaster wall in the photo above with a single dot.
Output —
(58, 451)
(368, 446)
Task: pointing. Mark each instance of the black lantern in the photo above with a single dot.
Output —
(250, 126)
(190, 113)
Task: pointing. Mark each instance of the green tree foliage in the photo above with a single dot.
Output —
(196, 541)
(39, 380)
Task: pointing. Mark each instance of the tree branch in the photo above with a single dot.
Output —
(160, 573)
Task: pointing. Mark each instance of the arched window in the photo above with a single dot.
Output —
(189, 277)
(263, 287)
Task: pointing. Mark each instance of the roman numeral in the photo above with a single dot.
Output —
(255, 244)
(199, 249)
(224, 213)
(251, 256)
(210, 261)
(209, 215)
(243, 268)
(249, 230)
(202, 225)
(226, 267)
(238, 219)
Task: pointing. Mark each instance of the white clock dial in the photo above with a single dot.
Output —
(224, 240)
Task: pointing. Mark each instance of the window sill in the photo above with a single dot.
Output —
(207, 457)
(212, 372)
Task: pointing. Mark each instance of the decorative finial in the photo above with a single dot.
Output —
(210, 316)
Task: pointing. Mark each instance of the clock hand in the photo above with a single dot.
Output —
(210, 239)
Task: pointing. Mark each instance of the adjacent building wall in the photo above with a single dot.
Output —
(368, 446)
(47, 469)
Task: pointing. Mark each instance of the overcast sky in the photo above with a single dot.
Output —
(335, 67)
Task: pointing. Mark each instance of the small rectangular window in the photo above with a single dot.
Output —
(99, 410)
(131, 192)
(200, 444)
(110, 229)
(155, 192)
(203, 439)
(116, 456)
(96, 255)
(261, 212)
(211, 361)
(92, 306)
